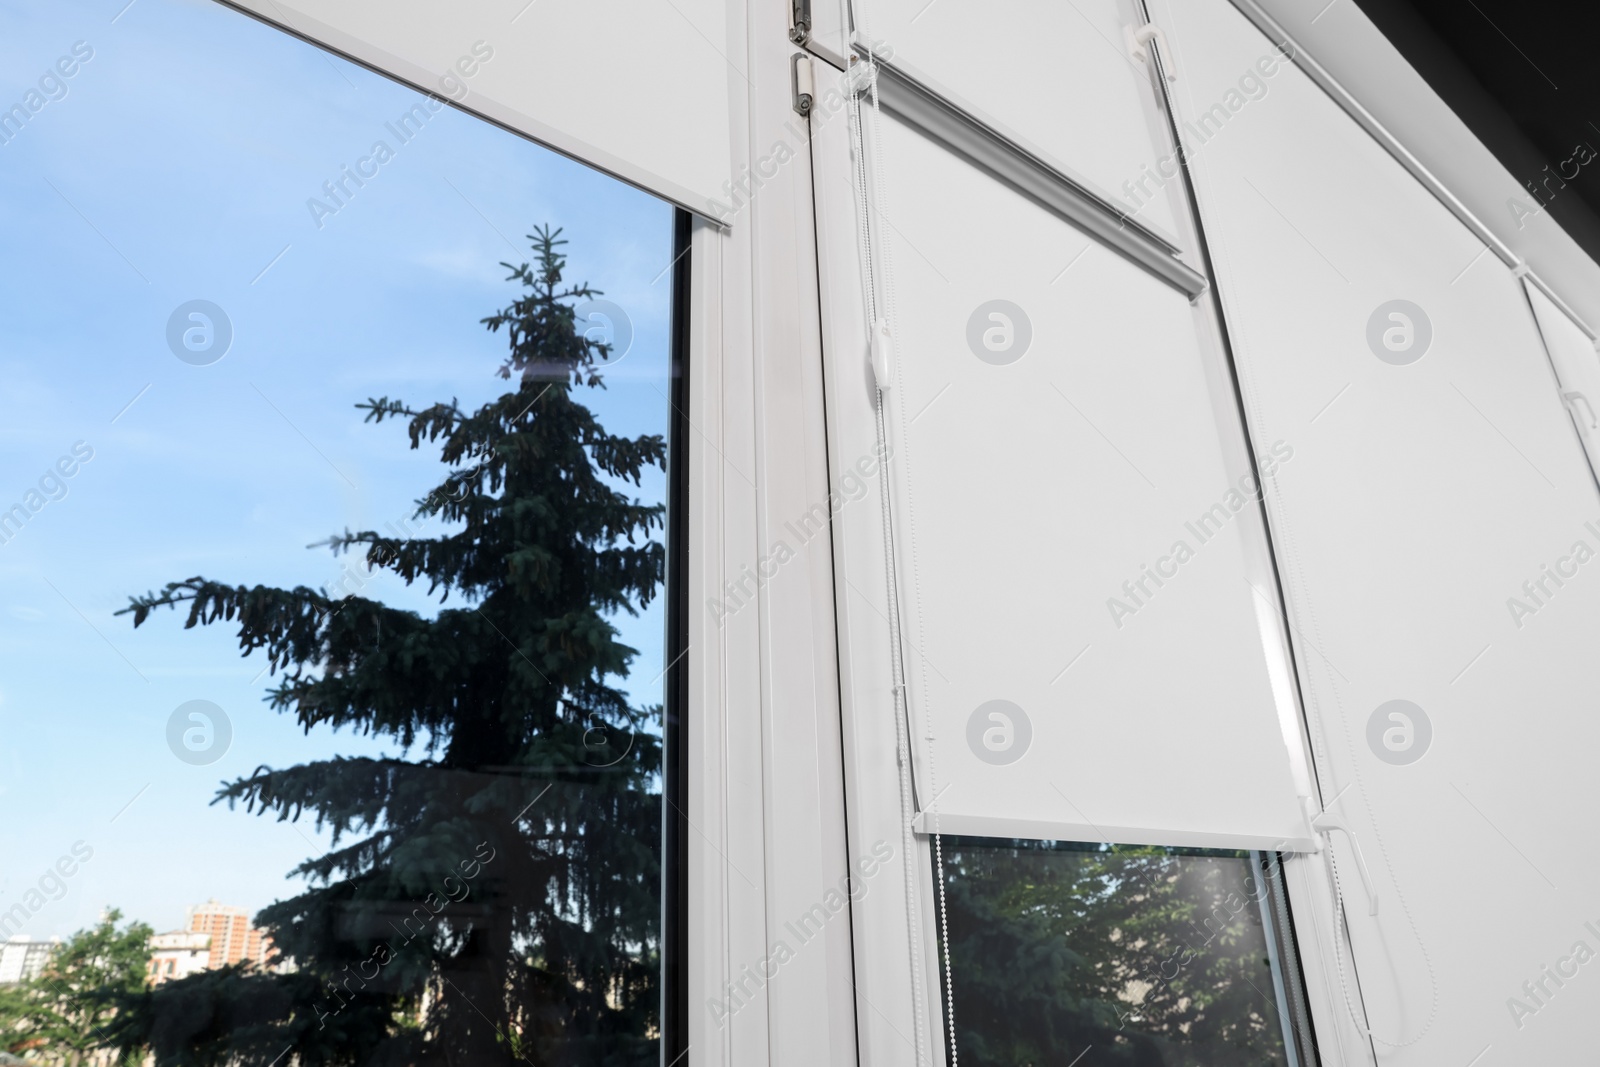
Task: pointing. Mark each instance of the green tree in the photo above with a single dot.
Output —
(63, 1015)
(15, 1003)
(1129, 957)
(493, 892)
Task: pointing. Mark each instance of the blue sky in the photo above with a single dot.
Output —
(177, 166)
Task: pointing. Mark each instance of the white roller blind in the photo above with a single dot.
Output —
(1577, 368)
(639, 90)
(1054, 76)
(1084, 633)
(1436, 480)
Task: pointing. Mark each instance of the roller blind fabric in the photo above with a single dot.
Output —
(1055, 77)
(1087, 634)
(1436, 531)
(537, 69)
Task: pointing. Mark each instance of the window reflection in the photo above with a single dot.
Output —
(1118, 956)
(332, 654)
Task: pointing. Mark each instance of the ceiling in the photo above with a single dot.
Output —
(1525, 80)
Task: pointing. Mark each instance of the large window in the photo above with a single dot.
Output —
(1106, 956)
(337, 679)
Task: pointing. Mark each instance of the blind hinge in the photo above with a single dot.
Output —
(799, 21)
(1572, 398)
(801, 84)
(1139, 46)
(1325, 824)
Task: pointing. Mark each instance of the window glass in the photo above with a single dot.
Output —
(1108, 956)
(332, 523)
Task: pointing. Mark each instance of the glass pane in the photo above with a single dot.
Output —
(1107, 956)
(332, 653)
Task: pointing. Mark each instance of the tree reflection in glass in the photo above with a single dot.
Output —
(494, 896)
(1115, 956)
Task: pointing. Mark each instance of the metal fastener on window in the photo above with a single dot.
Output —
(1139, 46)
(800, 21)
(800, 81)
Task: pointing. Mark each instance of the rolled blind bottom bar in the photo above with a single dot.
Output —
(935, 117)
(926, 822)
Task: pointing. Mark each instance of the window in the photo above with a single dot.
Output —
(334, 555)
(1115, 956)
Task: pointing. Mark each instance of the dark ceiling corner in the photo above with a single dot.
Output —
(1526, 81)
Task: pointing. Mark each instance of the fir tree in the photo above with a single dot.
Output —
(1125, 956)
(493, 892)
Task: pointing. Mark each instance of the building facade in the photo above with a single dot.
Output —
(178, 955)
(232, 938)
(22, 958)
